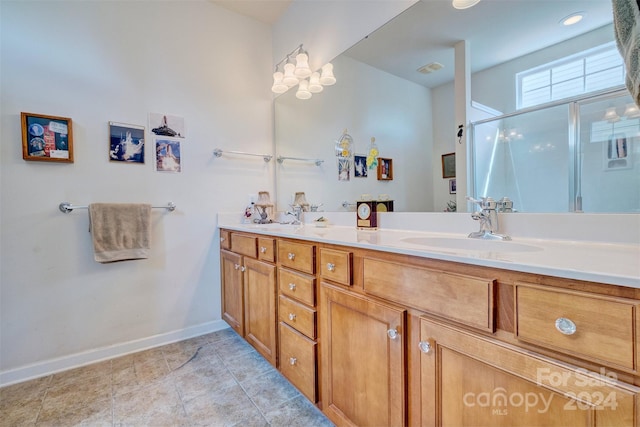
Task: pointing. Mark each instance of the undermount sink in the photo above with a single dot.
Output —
(467, 244)
(274, 226)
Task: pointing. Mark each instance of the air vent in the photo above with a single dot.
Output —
(430, 68)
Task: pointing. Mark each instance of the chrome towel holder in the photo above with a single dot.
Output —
(66, 207)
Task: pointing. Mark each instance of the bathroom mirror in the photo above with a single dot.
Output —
(380, 93)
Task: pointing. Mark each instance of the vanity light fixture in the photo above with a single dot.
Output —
(572, 19)
(632, 111)
(289, 74)
(611, 115)
(464, 4)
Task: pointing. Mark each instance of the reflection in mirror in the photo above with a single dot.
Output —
(381, 94)
(587, 157)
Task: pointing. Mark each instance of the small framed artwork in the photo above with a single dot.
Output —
(452, 186)
(360, 166)
(385, 169)
(126, 143)
(46, 138)
(168, 156)
(449, 165)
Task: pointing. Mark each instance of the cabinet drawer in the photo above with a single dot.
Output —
(244, 245)
(297, 286)
(297, 316)
(298, 361)
(589, 326)
(225, 242)
(465, 299)
(336, 266)
(267, 249)
(299, 256)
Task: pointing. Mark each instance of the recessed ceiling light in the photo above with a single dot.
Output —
(574, 18)
(464, 4)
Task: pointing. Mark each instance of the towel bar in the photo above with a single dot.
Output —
(67, 207)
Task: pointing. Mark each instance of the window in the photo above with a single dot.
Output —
(588, 71)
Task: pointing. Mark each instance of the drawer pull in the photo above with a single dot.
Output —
(291, 256)
(292, 316)
(565, 326)
(425, 347)
(292, 361)
(222, 239)
(236, 266)
(243, 268)
(331, 266)
(393, 334)
(292, 287)
(263, 250)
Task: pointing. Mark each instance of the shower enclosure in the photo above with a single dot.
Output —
(577, 156)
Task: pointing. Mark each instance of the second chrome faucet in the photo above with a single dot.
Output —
(488, 217)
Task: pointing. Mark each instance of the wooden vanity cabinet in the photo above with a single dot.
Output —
(383, 339)
(249, 292)
(363, 359)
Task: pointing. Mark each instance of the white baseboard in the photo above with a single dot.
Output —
(59, 364)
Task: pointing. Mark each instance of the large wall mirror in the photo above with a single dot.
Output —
(382, 94)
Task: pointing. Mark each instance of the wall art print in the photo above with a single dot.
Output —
(168, 154)
(126, 143)
(46, 138)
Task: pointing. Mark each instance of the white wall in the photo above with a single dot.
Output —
(368, 103)
(101, 61)
(329, 27)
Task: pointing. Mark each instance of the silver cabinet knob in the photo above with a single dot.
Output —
(292, 316)
(393, 333)
(243, 268)
(292, 286)
(291, 256)
(425, 347)
(222, 239)
(263, 250)
(236, 266)
(292, 361)
(565, 326)
(331, 266)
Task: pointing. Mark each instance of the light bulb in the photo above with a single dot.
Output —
(314, 83)
(327, 78)
(611, 115)
(303, 90)
(302, 66)
(289, 78)
(278, 85)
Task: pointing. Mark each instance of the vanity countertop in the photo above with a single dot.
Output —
(610, 263)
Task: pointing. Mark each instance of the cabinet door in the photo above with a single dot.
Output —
(232, 290)
(472, 380)
(260, 307)
(363, 359)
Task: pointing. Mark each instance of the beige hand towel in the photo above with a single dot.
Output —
(120, 231)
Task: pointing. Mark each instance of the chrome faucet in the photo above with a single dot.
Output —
(488, 218)
(296, 214)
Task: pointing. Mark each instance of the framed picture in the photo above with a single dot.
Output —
(168, 157)
(452, 186)
(360, 166)
(385, 169)
(126, 143)
(46, 138)
(449, 165)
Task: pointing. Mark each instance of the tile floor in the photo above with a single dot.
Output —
(212, 380)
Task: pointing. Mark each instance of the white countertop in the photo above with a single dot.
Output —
(616, 263)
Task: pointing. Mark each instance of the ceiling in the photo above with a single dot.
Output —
(496, 30)
(267, 11)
